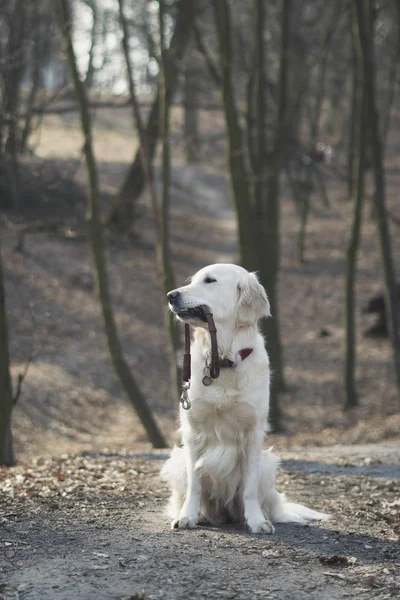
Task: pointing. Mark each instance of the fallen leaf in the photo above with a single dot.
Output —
(338, 561)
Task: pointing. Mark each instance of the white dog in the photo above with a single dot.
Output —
(221, 473)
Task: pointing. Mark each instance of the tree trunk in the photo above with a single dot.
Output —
(270, 232)
(257, 212)
(238, 171)
(165, 263)
(13, 81)
(6, 394)
(262, 210)
(160, 210)
(364, 12)
(12, 93)
(358, 177)
(97, 243)
(353, 134)
(89, 78)
(191, 122)
(122, 213)
(393, 83)
(305, 201)
(30, 105)
(307, 186)
(257, 207)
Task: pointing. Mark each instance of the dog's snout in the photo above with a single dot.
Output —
(173, 296)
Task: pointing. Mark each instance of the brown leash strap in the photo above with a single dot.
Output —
(186, 357)
(214, 367)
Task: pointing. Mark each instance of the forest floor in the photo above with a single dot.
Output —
(91, 527)
(81, 513)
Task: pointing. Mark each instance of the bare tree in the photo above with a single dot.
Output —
(358, 176)
(257, 206)
(364, 16)
(96, 237)
(122, 213)
(12, 78)
(160, 209)
(238, 170)
(6, 393)
(269, 231)
(27, 45)
(190, 96)
(163, 250)
(90, 71)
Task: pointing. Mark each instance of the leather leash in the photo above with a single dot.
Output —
(214, 368)
(186, 369)
(215, 365)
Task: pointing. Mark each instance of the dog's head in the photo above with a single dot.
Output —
(229, 292)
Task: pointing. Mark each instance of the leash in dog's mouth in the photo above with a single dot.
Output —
(197, 313)
(211, 371)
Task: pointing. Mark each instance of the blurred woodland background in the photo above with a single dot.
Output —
(141, 140)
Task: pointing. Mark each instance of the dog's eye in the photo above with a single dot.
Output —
(209, 279)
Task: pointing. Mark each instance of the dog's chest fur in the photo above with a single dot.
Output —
(225, 414)
(226, 411)
(221, 420)
(222, 417)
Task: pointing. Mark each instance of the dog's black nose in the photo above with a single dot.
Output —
(173, 296)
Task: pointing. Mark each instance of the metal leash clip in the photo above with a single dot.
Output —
(185, 401)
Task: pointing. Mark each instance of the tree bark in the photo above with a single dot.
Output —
(160, 209)
(358, 177)
(164, 252)
(96, 237)
(238, 171)
(122, 213)
(15, 71)
(262, 199)
(6, 395)
(40, 24)
(355, 120)
(90, 71)
(270, 223)
(393, 83)
(364, 13)
(307, 187)
(257, 207)
(191, 121)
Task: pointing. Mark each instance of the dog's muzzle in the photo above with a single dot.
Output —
(177, 304)
(174, 298)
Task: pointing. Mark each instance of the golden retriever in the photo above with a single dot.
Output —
(221, 472)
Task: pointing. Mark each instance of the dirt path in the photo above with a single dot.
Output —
(91, 527)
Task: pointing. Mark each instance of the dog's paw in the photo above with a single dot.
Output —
(261, 527)
(184, 523)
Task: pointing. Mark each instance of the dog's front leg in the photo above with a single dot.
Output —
(253, 514)
(189, 513)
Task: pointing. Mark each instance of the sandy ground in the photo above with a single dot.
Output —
(92, 527)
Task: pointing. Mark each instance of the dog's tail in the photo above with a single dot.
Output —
(290, 512)
(274, 504)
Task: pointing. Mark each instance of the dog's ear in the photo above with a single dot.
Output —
(252, 302)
